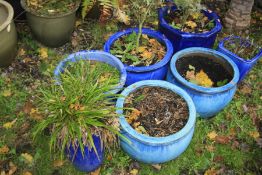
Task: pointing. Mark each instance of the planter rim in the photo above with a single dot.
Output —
(83, 55)
(10, 16)
(149, 139)
(216, 29)
(151, 33)
(254, 59)
(198, 88)
(25, 7)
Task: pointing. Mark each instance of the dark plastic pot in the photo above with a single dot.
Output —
(243, 65)
(90, 161)
(208, 101)
(97, 56)
(52, 31)
(156, 71)
(182, 40)
(155, 150)
(8, 35)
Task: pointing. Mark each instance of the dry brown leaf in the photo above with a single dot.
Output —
(96, 172)
(222, 139)
(27, 107)
(34, 113)
(21, 52)
(4, 149)
(12, 169)
(212, 135)
(210, 148)
(157, 166)
(211, 171)
(27, 173)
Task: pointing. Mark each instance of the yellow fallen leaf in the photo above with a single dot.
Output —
(27, 60)
(27, 157)
(147, 55)
(254, 134)
(78, 23)
(27, 173)
(134, 171)
(43, 52)
(195, 15)
(141, 49)
(7, 93)
(212, 135)
(96, 172)
(21, 52)
(191, 24)
(58, 163)
(4, 149)
(211, 171)
(203, 79)
(9, 125)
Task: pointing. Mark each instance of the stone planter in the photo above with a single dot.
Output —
(8, 35)
(52, 31)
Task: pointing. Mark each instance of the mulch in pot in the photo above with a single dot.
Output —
(204, 70)
(156, 111)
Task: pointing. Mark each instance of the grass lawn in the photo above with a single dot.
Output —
(236, 149)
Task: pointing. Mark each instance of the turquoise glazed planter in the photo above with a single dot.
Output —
(208, 101)
(154, 150)
(96, 56)
(243, 65)
(181, 40)
(90, 161)
(156, 71)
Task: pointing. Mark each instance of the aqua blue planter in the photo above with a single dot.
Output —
(208, 101)
(90, 161)
(182, 40)
(97, 56)
(154, 150)
(157, 71)
(243, 65)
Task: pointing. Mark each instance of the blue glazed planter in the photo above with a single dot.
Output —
(208, 101)
(156, 71)
(90, 161)
(154, 150)
(243, 65)
(96, 56)
(182, 40)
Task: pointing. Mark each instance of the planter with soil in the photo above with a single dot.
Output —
(97, 56)
(8, 35)
(242, 51)
(53, 22)
(149, 61)
(158, 119)
(208, 76)
(198, 31)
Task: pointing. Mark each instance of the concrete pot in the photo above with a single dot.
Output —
(52, 31)
(8, 35)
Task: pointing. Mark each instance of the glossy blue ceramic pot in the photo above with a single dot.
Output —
(156, 71)
(96, 56)
(90, 161)
(208, 101)
(243, 65)
(154, 150)
(182, 40)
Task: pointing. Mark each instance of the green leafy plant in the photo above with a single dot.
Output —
(79, 107)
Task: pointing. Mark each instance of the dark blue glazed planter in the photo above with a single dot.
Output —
(96, 56)
(182, 40)
(154, 150)
(243, 65)
(156, 71)
(208, 101)
(90, 161)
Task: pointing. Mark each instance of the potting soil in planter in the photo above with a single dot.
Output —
(194, 23)
(242, 47)
(104, 71)
(149, 52)
(156, 111)
(52, 7)
(204, 71)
